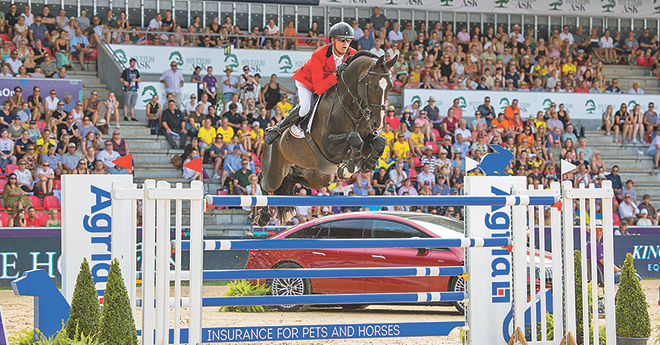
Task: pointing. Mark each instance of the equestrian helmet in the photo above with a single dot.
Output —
(341, 29)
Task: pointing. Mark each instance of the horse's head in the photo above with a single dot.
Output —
(374, 82)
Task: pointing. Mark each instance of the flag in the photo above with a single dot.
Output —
(125, 162)
(196, 165)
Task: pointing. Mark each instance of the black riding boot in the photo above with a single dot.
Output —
(275, 132)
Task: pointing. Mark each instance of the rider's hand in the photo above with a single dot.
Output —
(340, 69)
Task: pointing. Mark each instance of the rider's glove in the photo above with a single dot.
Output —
(340, 69)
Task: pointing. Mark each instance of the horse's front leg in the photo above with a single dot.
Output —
(377, 144)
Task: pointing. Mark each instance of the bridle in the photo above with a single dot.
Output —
(367, 111)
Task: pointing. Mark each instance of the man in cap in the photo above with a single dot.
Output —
(317, 75)
(650, 210)
(429, 158)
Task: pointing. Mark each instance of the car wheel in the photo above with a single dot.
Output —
(290, 287)
(457, 284)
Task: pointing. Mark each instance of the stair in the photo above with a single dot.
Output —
(152, 155)
(627, 75)
(632, 165)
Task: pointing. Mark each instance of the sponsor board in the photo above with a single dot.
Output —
(582, 106)
(62, 86)
(642, 9)
(149, 89)
(150, 59)
(86, 227)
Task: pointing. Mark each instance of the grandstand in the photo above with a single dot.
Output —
(152, 154)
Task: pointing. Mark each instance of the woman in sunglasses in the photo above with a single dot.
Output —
(317, 75)
(14, 196)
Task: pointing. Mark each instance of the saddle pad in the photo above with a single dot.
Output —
(311, 119)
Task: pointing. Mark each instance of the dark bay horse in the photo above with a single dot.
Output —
(343, 136)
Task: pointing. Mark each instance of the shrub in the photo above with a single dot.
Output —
(578, 298)
(245, 288)
(117, 324)
(85, 315)
(632, 315)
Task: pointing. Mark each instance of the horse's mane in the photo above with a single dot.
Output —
(360, 54)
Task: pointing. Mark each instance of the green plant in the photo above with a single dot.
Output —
(549, 328)
(632, 314)
(85, 316)
(245, 288)
(117, 324)
(578, 297)
(27, 337)
(22, 337)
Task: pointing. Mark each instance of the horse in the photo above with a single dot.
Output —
(343, 137)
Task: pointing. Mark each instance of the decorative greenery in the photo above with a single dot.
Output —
(632, 315)
(117, 324)
(245, 288)
(85, 316)
(578, 297)
(549, 328)
(26, 337)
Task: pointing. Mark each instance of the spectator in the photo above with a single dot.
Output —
(173, 80)
(366, 42)
(99, 168)
(119, 144)
(206, 135)
(217, 153)
(39, 32)
(242, 178)
(210, 85)
(613, 88)
(63, 51)
(377, 20)
(654, 150)
(25, 179)
(643, 219)
(232, 163)
(628, 209)
(188, 173)
(53, 158)
(70, 159)
(107, 156)
(229, 85)
(45, 178)
(61, 74)
(83, 21)
(31, 220)
(110, 25)
(635, 89)
(407, 187)
(617, 186)
(53, 220)
(130, 78)
(290, 31)
(174, 126)
(13, 62)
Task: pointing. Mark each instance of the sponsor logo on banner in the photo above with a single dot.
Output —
(148, 93)
(524, 5)
(461, 102)
(590, 106)
(501, 3)
(176, 57)
(608, 5)
(504, 102)
(285, 64)
(446, 2)
(632, 104)
(546, 103)
(121, 56)
(231, 61)
(577, 5)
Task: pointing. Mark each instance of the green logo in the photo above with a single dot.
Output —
(554, 5)
(148, 93)
(446, 2)
(546, 103)
(504, 102)
(591, 106)
(121, 56)
(285, 63)
(656, 8)
(608, 6)
(176, 56)
(231, 61)
(416, 98)
(631, 105)
(462, 103)
(501, 3)
(391, 2)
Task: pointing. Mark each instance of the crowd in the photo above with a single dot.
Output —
(35, 153)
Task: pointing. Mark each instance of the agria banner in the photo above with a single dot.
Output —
(597, 8)
(156, 60)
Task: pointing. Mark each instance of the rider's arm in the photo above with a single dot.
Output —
(321, 83)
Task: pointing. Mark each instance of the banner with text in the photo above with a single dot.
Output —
(603, 8)
(62, 86)
(156, 60)
(582, 106)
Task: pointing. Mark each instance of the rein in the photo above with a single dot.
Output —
(366, 112)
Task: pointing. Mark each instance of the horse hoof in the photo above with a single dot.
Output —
(263, 217)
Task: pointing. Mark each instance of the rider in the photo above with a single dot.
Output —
(317, 75)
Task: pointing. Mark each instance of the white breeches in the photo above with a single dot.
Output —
(304, 99)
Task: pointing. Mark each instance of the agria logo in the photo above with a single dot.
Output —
(148, 93)
(121, 56)
(590, 106)
(285, 64)
(176, 57)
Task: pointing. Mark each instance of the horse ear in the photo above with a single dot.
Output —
(392, 61)
(380, 60)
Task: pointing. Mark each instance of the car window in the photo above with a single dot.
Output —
(390, 229)
(316, 231)
(348, 228)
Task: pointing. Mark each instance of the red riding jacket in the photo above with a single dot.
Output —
(317, 74)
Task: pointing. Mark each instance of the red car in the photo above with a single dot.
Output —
(366, 225)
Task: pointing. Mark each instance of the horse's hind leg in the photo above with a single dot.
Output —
(377, 144)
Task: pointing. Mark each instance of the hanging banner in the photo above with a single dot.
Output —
(597, 8)
(583, 106)
(151, 59)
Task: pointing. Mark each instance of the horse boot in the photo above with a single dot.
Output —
(274, 132)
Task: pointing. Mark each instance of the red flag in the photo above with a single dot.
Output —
(125, 162)
(196, 165)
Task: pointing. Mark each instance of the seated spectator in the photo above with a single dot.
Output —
(440, 187)
(107, 156)
(628, 209)
(99, 168)
(18, 220)
(407, 188)
(173, 124)
(80, 46)
(7, 149)
(54, 159)
(25, 179)
(31, 220)
(231, 164)
(119, 144)
(242, 178)
(45, 177)
(53, 220)
(188, 173)
(635, 89)
(643, 219)
(70, 159)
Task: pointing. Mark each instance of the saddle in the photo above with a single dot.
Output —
(304, 124)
